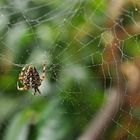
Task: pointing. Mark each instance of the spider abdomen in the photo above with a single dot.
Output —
(35, 81)
(30, 78)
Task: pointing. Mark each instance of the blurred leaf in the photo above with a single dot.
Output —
(19, 126)
(53, 125)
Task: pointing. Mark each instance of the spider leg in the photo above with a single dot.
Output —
(22, 71)
(21, 88)
(36, 89)
(21, 75)
(43, 73)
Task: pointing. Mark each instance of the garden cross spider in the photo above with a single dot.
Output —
(29, 78)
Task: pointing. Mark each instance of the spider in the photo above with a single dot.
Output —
(29, 78)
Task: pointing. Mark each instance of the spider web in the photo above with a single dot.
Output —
(88, 51)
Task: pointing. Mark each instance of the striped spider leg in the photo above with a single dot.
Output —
(22, 78)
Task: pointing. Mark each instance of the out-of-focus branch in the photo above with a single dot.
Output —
(125, 32)
(114, 98)
(114, 10)
(104, 116)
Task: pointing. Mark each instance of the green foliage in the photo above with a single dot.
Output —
(67, 36)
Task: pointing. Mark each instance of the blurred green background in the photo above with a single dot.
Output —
(71, 38)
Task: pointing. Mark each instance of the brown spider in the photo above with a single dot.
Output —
(29, 78)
